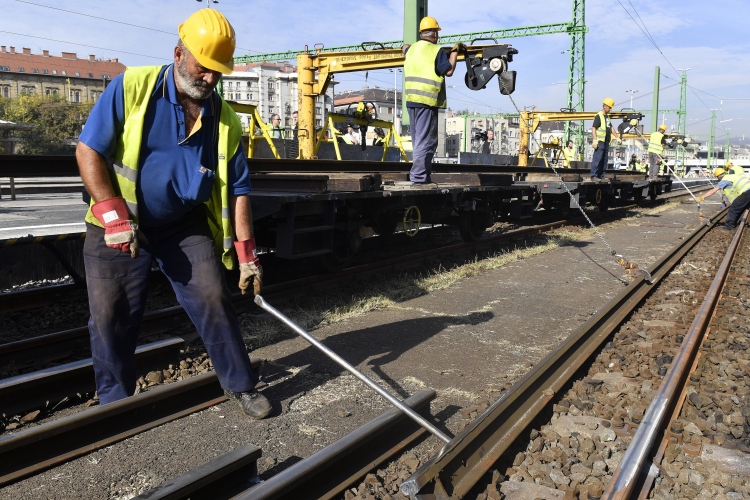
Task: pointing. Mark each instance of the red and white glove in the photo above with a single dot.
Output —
(250, 268)
(119, 231)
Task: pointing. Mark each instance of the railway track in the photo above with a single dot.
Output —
(282, 486)
(60, 345)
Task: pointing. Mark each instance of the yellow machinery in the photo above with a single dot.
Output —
(558, 151)
(334, 118)
(255, 120)
(483, 62)
(530, 121)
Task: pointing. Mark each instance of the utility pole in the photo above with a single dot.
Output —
(576, 72)
(682, 112)
(727, 148)
(711, 138)
(655, 101)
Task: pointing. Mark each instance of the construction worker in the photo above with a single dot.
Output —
(655, 149)
(162, 159)
(425, 69)
(731, 169)
(736, 187)
(275, 128)
(570, 154)
(601, 132)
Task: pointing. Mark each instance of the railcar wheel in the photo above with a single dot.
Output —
(470, 225)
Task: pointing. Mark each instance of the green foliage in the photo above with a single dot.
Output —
(57, 122)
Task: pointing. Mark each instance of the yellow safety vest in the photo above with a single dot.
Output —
(421, 83)
(654, 143)
(740, 184)
(604, 121)
(138, 86)
(571, 155)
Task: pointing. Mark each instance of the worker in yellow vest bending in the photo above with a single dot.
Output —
(162, 159)
(736, 188)
(655, 150)
(425, 69)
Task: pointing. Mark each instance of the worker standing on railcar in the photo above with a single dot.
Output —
(655, 149)
(736, 188)
(162, 159)
(601, 132)
(425, 69)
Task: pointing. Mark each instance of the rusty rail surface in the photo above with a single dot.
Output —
(635, 463)
(463, 461)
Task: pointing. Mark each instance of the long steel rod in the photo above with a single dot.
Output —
(626, 474)
(344, 364)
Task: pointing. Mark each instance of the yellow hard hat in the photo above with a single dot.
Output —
(719, 172)
(429, 24)
(609, 102)
(728, 163)
(662, 127)
(210, 38)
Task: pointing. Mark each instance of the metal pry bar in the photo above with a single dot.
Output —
(338, 359)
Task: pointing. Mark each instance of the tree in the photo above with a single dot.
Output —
(57, 122)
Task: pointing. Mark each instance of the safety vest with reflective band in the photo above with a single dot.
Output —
(740, 184)
(605, 124)
(138, 86)
(654, 143)
(421, 84)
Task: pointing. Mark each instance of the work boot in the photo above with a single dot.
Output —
(254, 404)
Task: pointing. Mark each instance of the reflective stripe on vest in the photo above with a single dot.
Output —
(604, 126)
(654, 143)
(138, 86)
(421, 84)
(740, 184)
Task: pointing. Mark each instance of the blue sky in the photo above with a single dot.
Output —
(706, 37)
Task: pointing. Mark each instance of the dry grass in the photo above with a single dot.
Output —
(387, 292)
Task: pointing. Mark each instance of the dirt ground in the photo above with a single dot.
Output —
(467, 342)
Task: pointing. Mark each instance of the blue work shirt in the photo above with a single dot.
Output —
(169, 159)
(724, 184)
(442, 66)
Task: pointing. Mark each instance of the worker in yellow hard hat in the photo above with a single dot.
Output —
(736, 188)
(655, 149)
(425, 69)
(162, 159)
(601, 132)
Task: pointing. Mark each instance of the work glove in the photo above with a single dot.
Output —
(596, 145)
(700, 199)
(458, 47)
(250, 268)
(119, 231)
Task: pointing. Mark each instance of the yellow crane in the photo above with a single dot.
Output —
(530, 121)
(483, 62)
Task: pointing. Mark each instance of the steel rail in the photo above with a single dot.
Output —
(220, 478)
(472, 452)
(24, 351)
(323, 475)
(35, 449)
(35, 390)
(635, 460)
(32, 450)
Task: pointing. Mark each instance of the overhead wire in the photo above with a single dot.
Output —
(84, 45)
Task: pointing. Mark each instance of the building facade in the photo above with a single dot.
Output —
(272, 87)
(80, 80)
